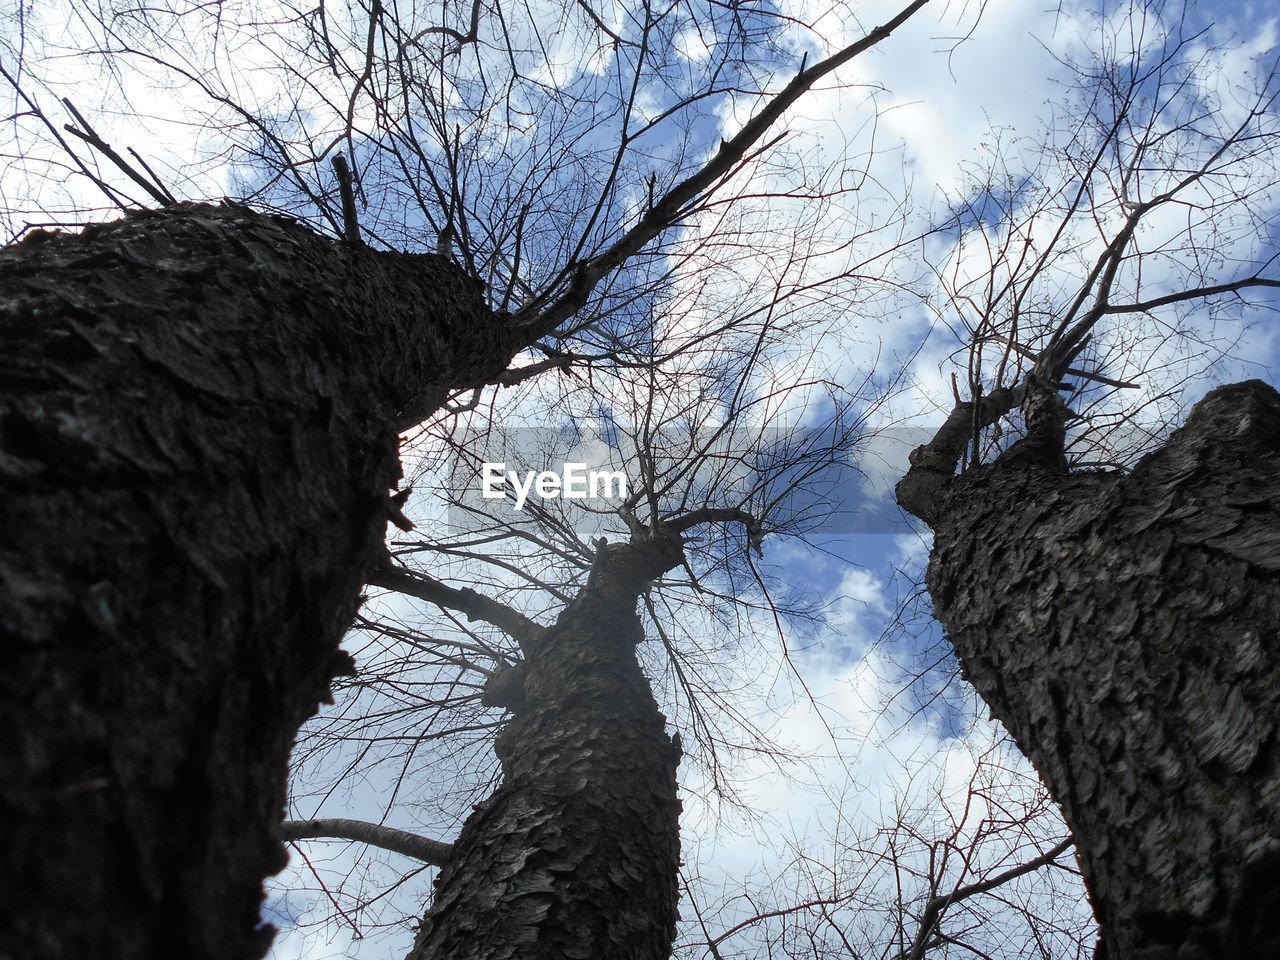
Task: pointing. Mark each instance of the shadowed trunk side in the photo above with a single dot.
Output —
(197, 436)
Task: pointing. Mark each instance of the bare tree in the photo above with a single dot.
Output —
(201, 404)
(1120, 621)
(576, 851)
(531, 627)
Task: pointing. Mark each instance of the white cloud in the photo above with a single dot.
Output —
(925, 105)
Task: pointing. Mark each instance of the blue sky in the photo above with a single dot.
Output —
(937, 110)
(929, 107)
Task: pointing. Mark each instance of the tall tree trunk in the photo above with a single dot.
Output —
(1124, 629)
(198, 426)
(576, 855)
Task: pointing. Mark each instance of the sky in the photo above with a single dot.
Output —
(900, 133)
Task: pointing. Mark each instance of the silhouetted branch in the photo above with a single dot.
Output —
(473, 605)
(156, 190)
(933, 909)
(388, 838)
(543, 317)
(350, 221)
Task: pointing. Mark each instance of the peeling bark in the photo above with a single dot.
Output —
(197, 436)
(1124, 629)
(576, 855)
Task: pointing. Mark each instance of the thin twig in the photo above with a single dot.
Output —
(156, 191)
(323, 886)
(933, 909)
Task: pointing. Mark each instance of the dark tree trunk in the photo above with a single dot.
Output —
(576, 855)
(198, 425)
(1126, 630)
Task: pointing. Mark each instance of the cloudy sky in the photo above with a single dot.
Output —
(900, 133)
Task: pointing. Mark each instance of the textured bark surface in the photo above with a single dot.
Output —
(576, 855)
(1126, 630)
(198, 424)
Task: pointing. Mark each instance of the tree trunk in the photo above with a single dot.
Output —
(1124, 629)
(197, 436)
(576, 855)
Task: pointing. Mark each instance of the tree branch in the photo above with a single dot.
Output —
(1209, 291)
(1068, 371)
(542, 318)
(471, 36)
(754, 526)
(388, 838)
(350, 220)
(473, 605)
(693, 518)
(933, 464)
(933, 909)
(156, 191)
(556, 361)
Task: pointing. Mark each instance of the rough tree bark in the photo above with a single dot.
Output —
(1123, 627)
(575, 856)
(198, 427)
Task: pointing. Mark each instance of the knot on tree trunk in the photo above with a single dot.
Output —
(505, 688)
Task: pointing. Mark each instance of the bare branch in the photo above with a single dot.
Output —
(933, 909)
(542, 317)
(471, 36)
(934, 463)
(34, 109)
(1091, 375)
(156, 191)
(702, 515)
(1214, 290)
(558, 360)
(350, 222)
(388, 838)
(473, 605)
